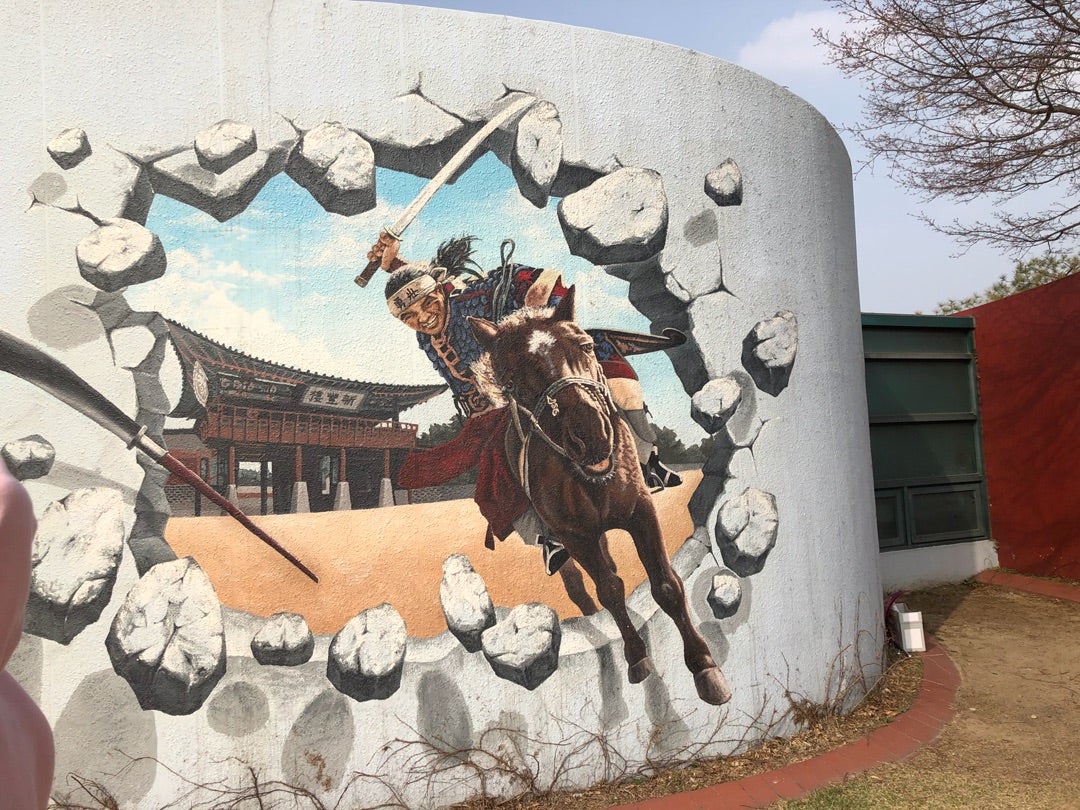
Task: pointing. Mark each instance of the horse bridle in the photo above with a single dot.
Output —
(547, 400)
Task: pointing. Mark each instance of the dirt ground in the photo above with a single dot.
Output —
(1015, 742)
(363, 556)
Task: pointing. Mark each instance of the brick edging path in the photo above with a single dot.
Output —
(901, 738)
(1021, 582)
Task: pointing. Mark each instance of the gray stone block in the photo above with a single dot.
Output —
(284, 640)
(221, 146)
(713, 405)
(223, 195)
(746, 530)
(29, 457)
(466, 603)
(337, 166)
(769, 352)
(69, 148)
(622, 217)
(524, 647)
(76, 554)
(109, 184)
(725, 594)
(367, 655)
(120, 253)
(538, 149)
(149, 550)
(168, 640)
(724, 184)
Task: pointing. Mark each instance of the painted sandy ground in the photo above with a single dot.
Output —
(369, 556)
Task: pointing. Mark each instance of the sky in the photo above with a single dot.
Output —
(269, 281)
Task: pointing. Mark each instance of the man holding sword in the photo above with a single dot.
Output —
(434, 301)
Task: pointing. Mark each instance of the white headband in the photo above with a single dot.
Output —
(408, 295)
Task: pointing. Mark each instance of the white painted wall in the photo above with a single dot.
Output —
(145, 75)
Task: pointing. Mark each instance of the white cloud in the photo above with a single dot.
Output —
(787, 48)
(204, 266)
(344, 241)
(209, 307)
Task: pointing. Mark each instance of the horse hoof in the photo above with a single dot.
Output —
(712, 686)
(641, 670)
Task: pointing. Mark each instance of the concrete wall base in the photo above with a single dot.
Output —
(921, 567)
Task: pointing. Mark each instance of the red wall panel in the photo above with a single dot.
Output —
(1028, 348)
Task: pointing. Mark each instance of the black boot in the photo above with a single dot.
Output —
(657, 475)
(555, 554)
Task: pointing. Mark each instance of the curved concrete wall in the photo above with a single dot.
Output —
(748, 246)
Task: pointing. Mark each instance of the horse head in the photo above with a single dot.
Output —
(546, 366)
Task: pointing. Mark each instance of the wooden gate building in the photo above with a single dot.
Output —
(320, 442)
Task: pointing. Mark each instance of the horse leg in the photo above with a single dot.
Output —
(575, 588)
(667, 590)
(612, 594)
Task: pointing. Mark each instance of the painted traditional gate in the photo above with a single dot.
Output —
(925, 437)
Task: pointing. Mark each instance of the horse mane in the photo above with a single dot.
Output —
(483, 370)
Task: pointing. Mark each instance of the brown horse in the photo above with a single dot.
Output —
(577, 462)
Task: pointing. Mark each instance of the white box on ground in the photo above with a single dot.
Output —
(907, 628)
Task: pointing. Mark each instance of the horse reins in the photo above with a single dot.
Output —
(547, 400)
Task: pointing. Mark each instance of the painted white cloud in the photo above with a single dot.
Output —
(340, 242)
(787, 48)
(213, 308)
(204, 266)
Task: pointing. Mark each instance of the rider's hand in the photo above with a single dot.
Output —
(385, 252)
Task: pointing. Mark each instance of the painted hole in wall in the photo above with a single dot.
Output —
(307, 393)
(580, 439)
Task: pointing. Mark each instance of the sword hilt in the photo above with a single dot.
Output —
(369, 271)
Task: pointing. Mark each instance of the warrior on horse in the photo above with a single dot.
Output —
(435, 299)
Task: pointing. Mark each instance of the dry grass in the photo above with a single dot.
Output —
(1013, 742)
(893, 694)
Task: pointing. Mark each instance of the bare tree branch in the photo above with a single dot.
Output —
(972, 98)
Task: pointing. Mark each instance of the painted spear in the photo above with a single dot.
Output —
(19, 358)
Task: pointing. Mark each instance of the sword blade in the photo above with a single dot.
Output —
(456, 162)
(19, 358)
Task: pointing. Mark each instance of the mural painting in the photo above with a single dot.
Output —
(421, 414)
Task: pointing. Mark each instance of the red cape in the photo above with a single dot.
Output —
(481, 444)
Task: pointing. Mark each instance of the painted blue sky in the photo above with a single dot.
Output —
(276, 280)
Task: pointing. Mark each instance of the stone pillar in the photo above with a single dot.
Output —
(386, 493)
(342, 496)
(231, 493)
(386, 487)
(299, 503)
